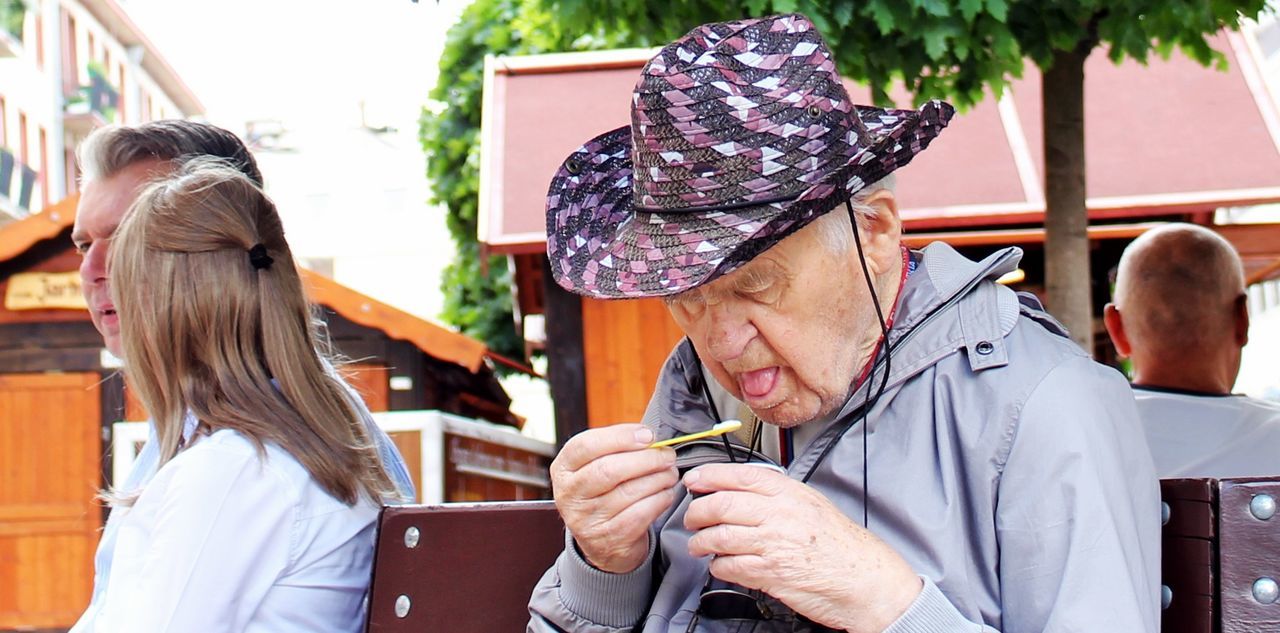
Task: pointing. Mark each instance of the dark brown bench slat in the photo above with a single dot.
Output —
(472, 570)
(1189, 556)
(1248, 549)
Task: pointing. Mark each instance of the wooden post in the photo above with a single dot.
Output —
(566, 368)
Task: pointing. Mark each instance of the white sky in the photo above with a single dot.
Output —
(309, 64)
(306, 62)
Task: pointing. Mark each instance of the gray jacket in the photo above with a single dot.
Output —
(1007, 468)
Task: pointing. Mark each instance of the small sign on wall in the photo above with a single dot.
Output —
(45, 291)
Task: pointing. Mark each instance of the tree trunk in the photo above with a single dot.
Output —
(1066, 249)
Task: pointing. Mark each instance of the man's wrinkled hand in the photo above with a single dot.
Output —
(773, 533)
(609, 487)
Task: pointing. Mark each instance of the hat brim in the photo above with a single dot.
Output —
(601, 246)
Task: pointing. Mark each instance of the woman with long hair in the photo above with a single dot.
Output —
(261, 516)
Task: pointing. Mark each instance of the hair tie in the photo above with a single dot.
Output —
(259, 258)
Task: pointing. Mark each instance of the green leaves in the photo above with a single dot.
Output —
(784, 6)
(999, 9)
(477, 290)
(969, 9)
(882, 15)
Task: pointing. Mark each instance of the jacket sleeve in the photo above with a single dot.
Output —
(1077, 516)
(1078, 509)
(574, 596)
(933, 613)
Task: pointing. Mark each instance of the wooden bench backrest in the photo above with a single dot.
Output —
(1215, 548)
(474, 565)
(471, 567)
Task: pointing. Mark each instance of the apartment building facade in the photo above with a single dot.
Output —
(66, 68)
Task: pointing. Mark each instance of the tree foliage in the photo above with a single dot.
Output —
(477, 293)
(951, 49)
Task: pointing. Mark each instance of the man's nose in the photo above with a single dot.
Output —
(729, 332)
(93, 268)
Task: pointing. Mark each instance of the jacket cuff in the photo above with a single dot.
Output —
(931, 612)
(613, 600)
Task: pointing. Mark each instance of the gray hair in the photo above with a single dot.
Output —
(833, 226)
(110, 149)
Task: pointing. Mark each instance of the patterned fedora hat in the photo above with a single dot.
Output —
(741, 133)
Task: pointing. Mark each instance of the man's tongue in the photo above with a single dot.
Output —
(758, 383)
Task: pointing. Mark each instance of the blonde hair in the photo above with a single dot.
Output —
(206, 331)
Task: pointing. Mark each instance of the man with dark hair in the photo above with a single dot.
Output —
(1181, 315)
(116, 163)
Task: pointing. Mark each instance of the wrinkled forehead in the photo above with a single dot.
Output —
(105, 200)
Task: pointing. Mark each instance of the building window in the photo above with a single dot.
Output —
(122, 101)
(23, 156)
(91, 49)
(71, 63)
(44, 168)
(40, 41)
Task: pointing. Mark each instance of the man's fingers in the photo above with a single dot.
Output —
(757, 479)
(727, 540)
(636, 518)
(743, 569)
(593, 444)
(610, 472)
(728, 507)
(633, 490)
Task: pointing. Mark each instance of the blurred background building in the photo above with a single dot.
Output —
(67, 67)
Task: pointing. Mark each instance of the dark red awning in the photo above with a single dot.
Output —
(1169, 137)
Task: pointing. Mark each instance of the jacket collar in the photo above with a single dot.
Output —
(932, 324)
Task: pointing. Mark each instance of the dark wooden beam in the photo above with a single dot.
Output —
(566, 367)
(112, 396)
(49, 335)
(30, 360)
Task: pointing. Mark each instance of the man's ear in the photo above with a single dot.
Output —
(881, 232)
(1241, 317)
(1115, 327)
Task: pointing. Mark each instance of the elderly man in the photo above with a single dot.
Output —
(1181, 315)
(117, 162)
(953, 462)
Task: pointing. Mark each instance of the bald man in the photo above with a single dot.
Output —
(1180, 313)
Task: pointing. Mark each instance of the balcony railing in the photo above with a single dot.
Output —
(17, 183)
(13, 13)
(92, 105)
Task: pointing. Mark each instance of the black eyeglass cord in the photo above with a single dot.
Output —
(715, 411)
(868, 404)
(871, 400)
